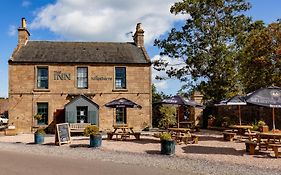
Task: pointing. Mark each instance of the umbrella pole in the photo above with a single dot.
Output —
(177, 112)
(273, 119)
(239, 114)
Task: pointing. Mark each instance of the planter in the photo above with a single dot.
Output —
(263, 128)
(168, 147)
(38, 138)
(95, 140)
(210, 122)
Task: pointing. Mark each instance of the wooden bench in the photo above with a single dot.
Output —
(123, 135)
(194, 138)
(275, 147)
(250, 146)
(228, 136)
(78, 127)
(136, 135)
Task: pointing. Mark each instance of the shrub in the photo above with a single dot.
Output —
(261, 123)
(169, 117)
(91, 130)
(40, 131)
(166, 136)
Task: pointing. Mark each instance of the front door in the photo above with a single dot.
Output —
(121, 116)
(82, 114)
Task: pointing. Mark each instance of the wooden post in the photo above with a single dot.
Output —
(239, 113)
(273, 119)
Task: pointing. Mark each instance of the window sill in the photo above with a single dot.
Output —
(36, 126)
(119, 90)
(41, 90)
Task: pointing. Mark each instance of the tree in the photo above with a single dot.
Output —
(261, 58)
(207, 43)
(156, 114)
(169, 116)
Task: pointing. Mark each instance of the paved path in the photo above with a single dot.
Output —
(15, 163)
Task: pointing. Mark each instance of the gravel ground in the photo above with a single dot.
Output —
(210, 156)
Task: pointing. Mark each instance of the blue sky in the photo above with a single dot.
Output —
(98, 20)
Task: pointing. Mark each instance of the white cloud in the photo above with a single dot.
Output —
(26, 3)
(166, 84)
(106, 20)
(12, 30)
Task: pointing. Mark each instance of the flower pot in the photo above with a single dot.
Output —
(38, 138)
(168, 147)
(210, 122)
(263, 128)
(95, 140)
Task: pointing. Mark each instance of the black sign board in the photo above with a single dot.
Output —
(62, 133)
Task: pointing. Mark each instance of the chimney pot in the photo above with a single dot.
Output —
(139, 36)
(23, 34)
(23, 23)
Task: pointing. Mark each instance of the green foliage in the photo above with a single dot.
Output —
(156, 97)
(91, 130)
(40, 131)
(208, 43)
(255, 126)
(166, 136)
(261, 59)
(38, 116)
(261, 123)
(169, 117)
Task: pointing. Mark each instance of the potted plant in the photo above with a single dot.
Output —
(37, 118)
(39, 136)
(95, 136)
(262, 126)
(211, 120)
(168, 145)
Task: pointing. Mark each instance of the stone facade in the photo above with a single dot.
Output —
(62, 87)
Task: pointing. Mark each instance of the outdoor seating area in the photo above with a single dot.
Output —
(78, 127)
(123, 132)
(183, 135)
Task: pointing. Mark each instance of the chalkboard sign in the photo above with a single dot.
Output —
(62, 133)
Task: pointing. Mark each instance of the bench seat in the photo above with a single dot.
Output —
(250, 146)
(228, 136)
(275, 147)
(78, 127)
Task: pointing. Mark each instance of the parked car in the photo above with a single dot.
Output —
(3, 120)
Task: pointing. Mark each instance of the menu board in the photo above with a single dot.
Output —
(62, 133)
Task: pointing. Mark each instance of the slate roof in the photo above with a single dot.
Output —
(80, 52)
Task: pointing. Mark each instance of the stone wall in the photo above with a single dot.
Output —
(24, 96)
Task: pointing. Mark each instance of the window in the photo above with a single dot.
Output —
(82, 77)
(121, 116)
(42, 109)
(42, 78)
(82, 114)
(120, 78)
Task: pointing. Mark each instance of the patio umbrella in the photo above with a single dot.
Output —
(234, 101)
(180, 101)
(267, 97)
(122, 103)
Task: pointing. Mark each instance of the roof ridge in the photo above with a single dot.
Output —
(106, 42)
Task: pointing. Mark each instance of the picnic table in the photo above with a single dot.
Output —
(241, 129)
(265, 140)
(122, 132)
(182, 135)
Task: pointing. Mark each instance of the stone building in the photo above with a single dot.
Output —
(72, 82)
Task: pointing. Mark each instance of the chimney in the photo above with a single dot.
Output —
(139, 36)
(23, 34)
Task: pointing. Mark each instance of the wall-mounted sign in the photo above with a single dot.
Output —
(101, 78)
(58, 75)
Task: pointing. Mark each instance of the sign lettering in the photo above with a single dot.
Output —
(58, 75)
(101, 78)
